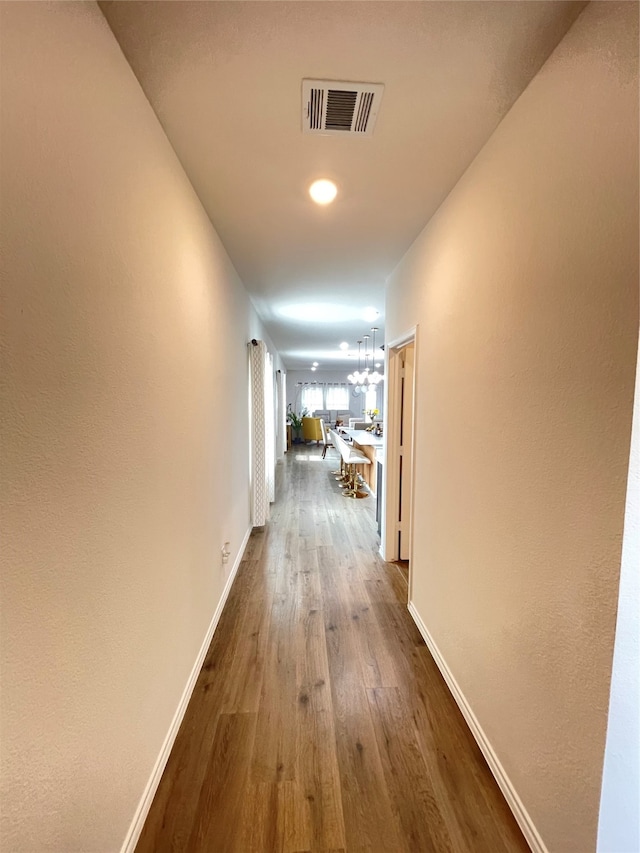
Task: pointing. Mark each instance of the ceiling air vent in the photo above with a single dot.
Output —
(339, 109)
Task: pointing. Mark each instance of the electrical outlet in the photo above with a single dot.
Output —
(226, 551)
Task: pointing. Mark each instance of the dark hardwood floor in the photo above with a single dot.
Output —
(319, 721)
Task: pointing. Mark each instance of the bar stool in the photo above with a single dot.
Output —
(336, 440)
(327, 441)
(351, 458)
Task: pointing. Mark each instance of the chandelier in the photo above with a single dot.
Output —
(366, 378)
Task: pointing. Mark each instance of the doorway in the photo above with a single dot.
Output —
(399, 469)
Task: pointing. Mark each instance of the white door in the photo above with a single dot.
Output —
(398, 457)
(404, 450)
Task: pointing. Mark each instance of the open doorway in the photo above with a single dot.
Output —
(397, 529)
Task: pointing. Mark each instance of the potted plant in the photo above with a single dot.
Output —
(296, 423)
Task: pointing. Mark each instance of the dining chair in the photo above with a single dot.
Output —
(326, 438)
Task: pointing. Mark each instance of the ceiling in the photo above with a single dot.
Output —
(225, 80)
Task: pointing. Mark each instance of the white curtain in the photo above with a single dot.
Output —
(323, 395)
(281, 414)
(337, 397)
(262, 433)
(371, 398)
(312, 398)
(270, 427)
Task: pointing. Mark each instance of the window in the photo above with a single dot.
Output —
(337, 397)
(312, 398)
(317, 395)
(371, 398)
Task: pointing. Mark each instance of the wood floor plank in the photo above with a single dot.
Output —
(273, 759)
(293, 811)
(319, 722)
(176, 800)
(370, 824)
(317, 766)
(242, 686)
(220, 806)
(404, 768)
(478, 815)
(255, 546)
(257, 829)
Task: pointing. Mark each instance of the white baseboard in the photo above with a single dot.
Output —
(510, 794)
(149, 793)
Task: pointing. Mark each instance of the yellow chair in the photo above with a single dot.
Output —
(311, 430)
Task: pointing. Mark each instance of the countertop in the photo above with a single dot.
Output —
(364, 438)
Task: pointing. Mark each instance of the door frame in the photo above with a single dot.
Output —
(391, 469)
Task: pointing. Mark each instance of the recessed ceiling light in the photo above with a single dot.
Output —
(377, 365)
(344, 345)
(313, 368)
(315, 363)
(323, 192)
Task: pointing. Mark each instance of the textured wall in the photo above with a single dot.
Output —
(525, 289)
(124, 419)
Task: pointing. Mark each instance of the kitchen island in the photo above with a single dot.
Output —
(371, 445)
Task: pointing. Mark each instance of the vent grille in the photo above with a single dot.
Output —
(340, 109)
(337, 109)
(316, 109)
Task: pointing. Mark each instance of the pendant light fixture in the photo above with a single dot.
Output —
(374, 376)
(355, 377)
(365, 378)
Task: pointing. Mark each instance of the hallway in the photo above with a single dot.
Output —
(319, 721)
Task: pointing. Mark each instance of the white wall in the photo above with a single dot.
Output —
(124, 365)
(619, 824)
(524, 287)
